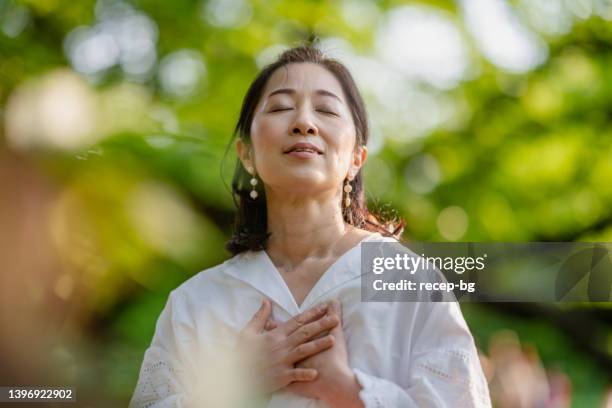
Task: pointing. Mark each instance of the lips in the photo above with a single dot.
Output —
(304, 147)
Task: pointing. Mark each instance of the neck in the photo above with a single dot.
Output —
(303, 227)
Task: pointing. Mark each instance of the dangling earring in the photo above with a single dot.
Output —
(347, 189)
(253, 182)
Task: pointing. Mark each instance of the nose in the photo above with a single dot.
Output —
(304, 124)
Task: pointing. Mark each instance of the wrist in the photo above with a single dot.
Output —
(344, 391)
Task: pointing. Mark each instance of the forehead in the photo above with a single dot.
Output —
(304, 78)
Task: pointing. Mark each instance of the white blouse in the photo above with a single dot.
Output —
(404, 354)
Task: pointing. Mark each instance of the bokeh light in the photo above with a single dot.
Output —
(489, 121)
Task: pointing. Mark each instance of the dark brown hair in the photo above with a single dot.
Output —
(250, 229)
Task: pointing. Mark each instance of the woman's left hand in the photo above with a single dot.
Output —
(336, 384)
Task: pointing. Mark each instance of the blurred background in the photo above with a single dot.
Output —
(491, 120)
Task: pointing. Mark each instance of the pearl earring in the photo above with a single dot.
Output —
(253, 182)
(347, 189)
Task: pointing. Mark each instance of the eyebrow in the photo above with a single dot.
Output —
(290, 91)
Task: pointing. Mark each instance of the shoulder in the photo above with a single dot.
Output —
(362, 235)
(210, 281)
(367, 236)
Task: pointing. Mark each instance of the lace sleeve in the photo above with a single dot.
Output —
(158, 385)
(163, 380)
(444, 369)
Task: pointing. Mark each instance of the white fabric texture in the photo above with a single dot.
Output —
(404, 354)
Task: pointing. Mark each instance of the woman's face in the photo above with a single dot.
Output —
(302, 103)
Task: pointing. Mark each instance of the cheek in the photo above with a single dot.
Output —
(342, 147)
(266, 138)
(343, 134)
(265, 127)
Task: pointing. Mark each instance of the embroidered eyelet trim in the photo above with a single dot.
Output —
(477, 387)
(370, 392)
(154, 385)
(436, 372)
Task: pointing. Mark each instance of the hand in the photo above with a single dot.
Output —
(274, 349)
(336, 383)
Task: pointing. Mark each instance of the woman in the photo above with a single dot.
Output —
(288, 302)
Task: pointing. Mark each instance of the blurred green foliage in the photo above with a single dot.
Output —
(142, 199)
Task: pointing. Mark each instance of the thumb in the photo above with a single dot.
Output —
(336, 309)
(260, 318)
(337, 331)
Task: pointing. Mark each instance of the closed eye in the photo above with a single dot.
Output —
(280, 109)
(327, 112)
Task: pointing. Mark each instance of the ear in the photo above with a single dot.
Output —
(244, 154)
(359, 158)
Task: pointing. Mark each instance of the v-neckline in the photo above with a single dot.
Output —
(319, 287)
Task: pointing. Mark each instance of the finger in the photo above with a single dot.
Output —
(303, 318)
(260, 318)
(270, 325)
(300, 374)
(336, 310)
(311, 348)
(312, 330)
(336, 307)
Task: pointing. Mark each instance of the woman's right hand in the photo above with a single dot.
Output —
(274, 349)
